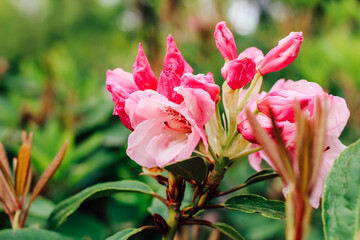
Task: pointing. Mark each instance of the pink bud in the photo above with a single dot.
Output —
(201, 81)
(239, 72)
(282, 55)
(173, 60)
(282, 104)
(168, 80)
(144, 77)
(224, 41)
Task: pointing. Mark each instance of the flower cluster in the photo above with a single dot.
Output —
(168, 116)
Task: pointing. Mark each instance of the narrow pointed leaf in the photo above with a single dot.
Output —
(228, 231)
(124, 234)
(4, 160)
(68, 206)
(49, 172)
(251, 203)
(194, 168)
(31, 234)
(260, 176)
(341, 199)
(22, 169)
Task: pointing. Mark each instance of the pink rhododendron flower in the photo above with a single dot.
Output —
(282, 55)
(239, 72)
(337, 116)
(224, 41)
(166, 132)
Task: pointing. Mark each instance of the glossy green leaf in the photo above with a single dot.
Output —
(228, 231)
(341, 202)
(194, 168)
(31, 234)
(68, 206)
(251, 203)
(124, 234)
(261, 176)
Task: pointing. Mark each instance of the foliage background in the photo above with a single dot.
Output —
(53, 58)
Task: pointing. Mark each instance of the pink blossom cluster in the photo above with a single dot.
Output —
(167, 117)
(281, 99)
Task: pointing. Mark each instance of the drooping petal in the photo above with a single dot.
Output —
(144, 76)
(120, 84)
(224, 41)
(167, 82)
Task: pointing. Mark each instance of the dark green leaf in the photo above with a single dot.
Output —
(260, 176)
(31, 234)
(251, 203)
(124, 234)
(194, 168)
(228, 231)
(341, 203)
(68, 206)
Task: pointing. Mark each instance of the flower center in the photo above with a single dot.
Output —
(176, 122)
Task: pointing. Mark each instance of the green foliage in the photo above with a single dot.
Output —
(31, 234)
(228, 230)
(192, 168)
(251, 203)
(124, 234)
(68, 206)
(341, 203)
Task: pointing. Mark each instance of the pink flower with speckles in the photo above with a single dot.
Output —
(166, 132)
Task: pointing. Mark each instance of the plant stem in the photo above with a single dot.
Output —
(173, 225)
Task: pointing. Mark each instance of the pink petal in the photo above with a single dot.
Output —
(173, 60)
(144, 77)
(252, 52)
(140, 138)
(198, 103)
(167, 82)
(201, 81)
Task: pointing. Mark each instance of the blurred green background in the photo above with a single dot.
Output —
(53, 58)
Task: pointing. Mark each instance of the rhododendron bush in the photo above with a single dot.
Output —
(187, 132)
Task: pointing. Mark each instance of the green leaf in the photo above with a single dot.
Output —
(341, 199)
(228, 231)
(194, 168)
(68, 206)
(124, 234)
(31, 234)
(260, 176)
(251, 203)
